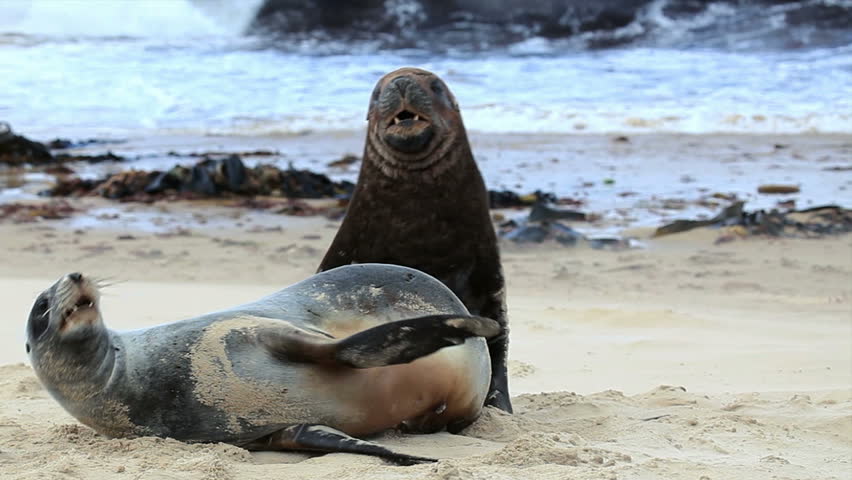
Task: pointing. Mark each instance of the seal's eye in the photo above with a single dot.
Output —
(39, 317)
(40, 307)
(440, 90)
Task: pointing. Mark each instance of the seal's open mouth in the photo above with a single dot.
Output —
(83, 312)
(407, 118)
(85, 302)
(408, 132)
(79, 301)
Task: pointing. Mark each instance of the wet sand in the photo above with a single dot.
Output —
(686, 359)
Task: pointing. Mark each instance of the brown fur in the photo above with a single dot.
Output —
(426, 208)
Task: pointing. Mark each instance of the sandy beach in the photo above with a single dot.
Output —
(195, 155)
(685, 359)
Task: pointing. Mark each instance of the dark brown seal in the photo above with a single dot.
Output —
(421, 202)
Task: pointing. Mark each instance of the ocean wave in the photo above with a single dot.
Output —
(477, 25)
(517, 27)
(230, 84)
(75, 19)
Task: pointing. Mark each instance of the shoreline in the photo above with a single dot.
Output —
(626, 181)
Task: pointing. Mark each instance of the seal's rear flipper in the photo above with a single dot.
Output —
(391, 343)
(497, 396)
(498, 392)
(320, 438)
(404, 341)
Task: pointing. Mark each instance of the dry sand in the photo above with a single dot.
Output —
(682, 360)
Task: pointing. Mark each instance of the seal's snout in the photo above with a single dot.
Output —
(407, 109)
(407, 102)
(77, 302)
(414, 123)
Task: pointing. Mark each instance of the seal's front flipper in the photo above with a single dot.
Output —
(391, 343)
(320, 438)
(404, 341)
(295, 344)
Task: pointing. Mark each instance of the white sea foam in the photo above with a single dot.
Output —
(120, 67)
(127, 18)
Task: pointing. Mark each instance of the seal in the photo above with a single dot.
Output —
(420, 201)
(345, 353)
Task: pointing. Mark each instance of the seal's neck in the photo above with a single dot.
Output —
(86, 363)
(452, 155)
(84, 376)
(454, 168)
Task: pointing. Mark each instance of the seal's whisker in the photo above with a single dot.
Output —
(104, 282)
(104, 279)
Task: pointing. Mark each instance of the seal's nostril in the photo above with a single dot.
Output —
(402, 84)
(76, 277)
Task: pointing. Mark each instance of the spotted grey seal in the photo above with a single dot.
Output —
(352, 351)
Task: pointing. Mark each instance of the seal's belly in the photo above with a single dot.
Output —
(451, 384)
(256, 392)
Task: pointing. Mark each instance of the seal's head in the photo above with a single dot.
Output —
(414, 123)
(67, 312)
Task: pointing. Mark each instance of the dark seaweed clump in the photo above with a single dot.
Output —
(209, 178)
